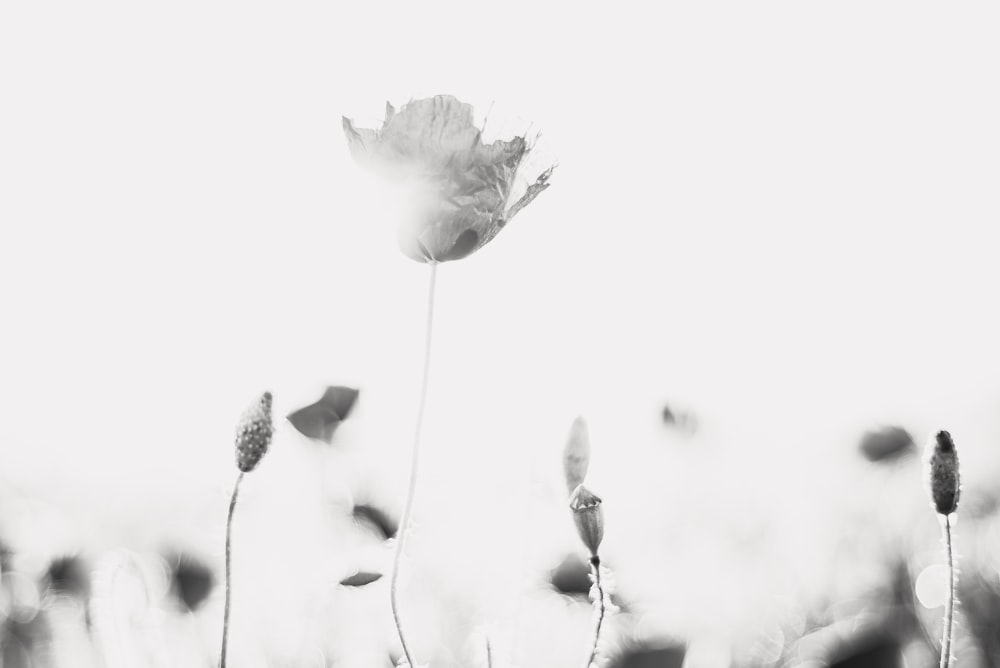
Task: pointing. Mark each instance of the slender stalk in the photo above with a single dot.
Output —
(404, 524)
(489, 653)
(949, 610)
(595, 569)
(229, 555)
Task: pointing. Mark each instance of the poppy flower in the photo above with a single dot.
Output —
(466, 187)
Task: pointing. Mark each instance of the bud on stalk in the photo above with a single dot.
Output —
(589, 518)
(253, 434)
(942, 474)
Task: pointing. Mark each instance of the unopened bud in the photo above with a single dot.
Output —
(942, 474)
(588, 516)
(253, 433)
(576, 455)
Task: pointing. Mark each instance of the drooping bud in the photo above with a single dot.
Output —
(253, 433)
(589, 517)
(942, 474)
(576, 455)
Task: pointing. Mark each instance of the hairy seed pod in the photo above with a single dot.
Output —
(576, 455)
(942, 474)
(588, 516)
(253, 433)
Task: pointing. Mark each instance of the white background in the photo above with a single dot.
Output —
(778, 215)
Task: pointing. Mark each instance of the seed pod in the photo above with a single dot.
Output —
(588, 516)
(576, 455)
(942, 474)
(253, 433)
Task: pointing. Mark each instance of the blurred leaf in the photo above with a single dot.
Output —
(191, 581)
(360, 579)
(881, 655)
(69, 576)
(572, 577)
(320, 420)
(376, 520)
(886, 444)
(651, 657)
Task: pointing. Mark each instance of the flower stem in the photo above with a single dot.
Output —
(949, 610)
(404, 524)
(595, 569)
(229, 551)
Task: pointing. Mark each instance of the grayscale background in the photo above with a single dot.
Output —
(776, 220)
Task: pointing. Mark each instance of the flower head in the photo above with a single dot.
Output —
(253, 433)
(466, 185)
(942, 473)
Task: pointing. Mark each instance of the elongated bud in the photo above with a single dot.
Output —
(253, 433)
(576, 455)
(588, 516)
(942, 474)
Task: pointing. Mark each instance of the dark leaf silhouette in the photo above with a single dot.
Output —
(320, 420)
(571, 577)
(679, 419)
(649, 656)
(375, 519)
(191, 581)
(69, 575)
(360, 579)
(885, 654)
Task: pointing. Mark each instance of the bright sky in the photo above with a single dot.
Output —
(780, 215)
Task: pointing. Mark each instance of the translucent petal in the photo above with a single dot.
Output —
(465, 185)
(534, 190)
(431, 131)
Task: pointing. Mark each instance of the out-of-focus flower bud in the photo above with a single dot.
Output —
(253, 433)
(942, 473)
(588, 516)
(576, 455)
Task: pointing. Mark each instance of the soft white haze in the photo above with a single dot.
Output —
(780, 216)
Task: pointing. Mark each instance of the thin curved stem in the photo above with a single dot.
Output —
(949, 610)
(404, 523)
(229, 577)
(595, 569)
